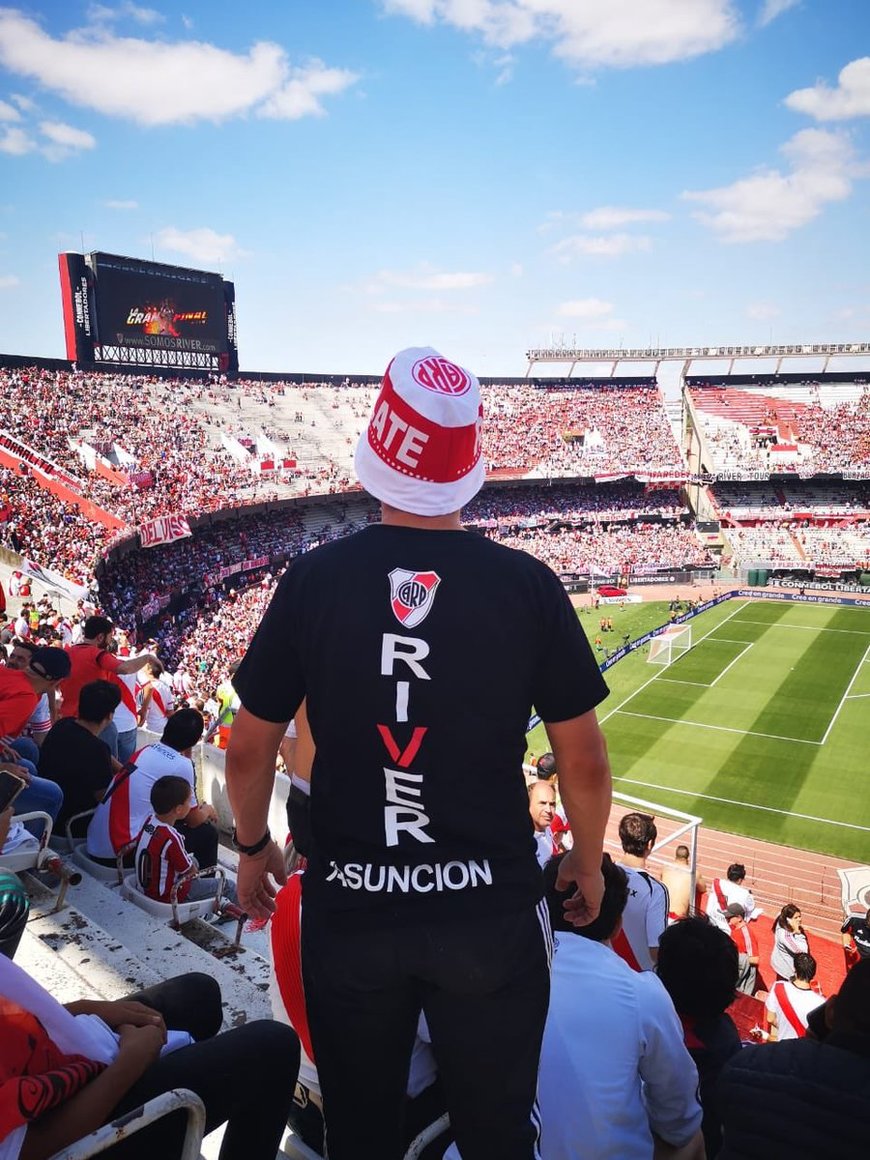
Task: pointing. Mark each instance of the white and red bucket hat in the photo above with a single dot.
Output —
(421, 450)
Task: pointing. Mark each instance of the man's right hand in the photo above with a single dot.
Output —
(584, 905)
(255, 887)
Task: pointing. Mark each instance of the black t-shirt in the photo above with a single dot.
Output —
(421, 654)
(859, 929)
(80, 763)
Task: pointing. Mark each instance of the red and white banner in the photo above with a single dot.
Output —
(163, 530)
(213, 578)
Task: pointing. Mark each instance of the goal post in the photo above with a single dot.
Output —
(665, 648)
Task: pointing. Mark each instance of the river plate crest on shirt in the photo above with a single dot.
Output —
(412, 595)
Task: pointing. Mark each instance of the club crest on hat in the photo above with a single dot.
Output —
(439, 374)
(412, 595)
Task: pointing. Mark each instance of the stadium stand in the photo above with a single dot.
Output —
(263, 471)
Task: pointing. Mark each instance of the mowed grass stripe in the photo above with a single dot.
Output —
(739, 701)
(783, 779)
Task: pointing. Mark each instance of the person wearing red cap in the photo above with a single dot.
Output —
(421, 649)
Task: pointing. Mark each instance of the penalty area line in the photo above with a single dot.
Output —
(718, 728)
(631, 696)
(744, 805)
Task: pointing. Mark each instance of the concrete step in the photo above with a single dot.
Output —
(104, 946)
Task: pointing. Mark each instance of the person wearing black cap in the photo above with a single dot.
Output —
(747, 948)
(420, 649)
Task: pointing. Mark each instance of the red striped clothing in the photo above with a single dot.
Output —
(120, 819)
(286, 987)
(744, 937)
(161, 858)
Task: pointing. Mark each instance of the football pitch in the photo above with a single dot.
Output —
(762, 728)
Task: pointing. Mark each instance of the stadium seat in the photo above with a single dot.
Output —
(177, 913)
(110, 875)
(42, 860)
(179, 1099)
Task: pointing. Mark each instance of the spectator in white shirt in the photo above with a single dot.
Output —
(616, 1080)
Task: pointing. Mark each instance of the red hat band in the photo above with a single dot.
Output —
(415, 446)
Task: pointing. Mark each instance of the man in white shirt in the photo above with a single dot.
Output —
(127, 804)
(723, 891)
(615, 1077)
(542, 808)
(646, 912)
(789, 1004)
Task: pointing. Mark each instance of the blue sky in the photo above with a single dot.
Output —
(483, 176)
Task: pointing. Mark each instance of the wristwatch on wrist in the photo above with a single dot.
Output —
(257, 846)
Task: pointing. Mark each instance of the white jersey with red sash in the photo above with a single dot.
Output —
(126, 805)
(161, 859)
(159, 706)
(721, 894)
(791, 1005)
(125, 716)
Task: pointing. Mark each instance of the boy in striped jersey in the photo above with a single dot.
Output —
(161, 856)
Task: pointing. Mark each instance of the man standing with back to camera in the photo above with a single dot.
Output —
(421, 649)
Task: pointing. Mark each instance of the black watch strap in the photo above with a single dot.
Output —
(257, 846)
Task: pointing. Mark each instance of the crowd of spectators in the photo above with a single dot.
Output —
(617, 549)
(831, 434)
(157, 423)
(573, 503)
(783, 500)
(580, 430)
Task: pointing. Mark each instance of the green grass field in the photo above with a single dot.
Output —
(762, 728)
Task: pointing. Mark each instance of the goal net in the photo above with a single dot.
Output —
(670, 644)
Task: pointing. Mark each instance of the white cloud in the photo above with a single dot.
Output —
(426, 278)
(200, 245)
(773, 8)
(586, 309)
(770, 204)
(8, 112)
(7, 281)
(851, 97)
(119, 203)
(25, 104)
(611, 217)
(16, 142)
(600, 245)
(300, 95)
(616, 34)
(161, 82)
(103, 14)
(67, 136)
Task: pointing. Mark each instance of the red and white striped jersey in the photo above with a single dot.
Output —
(124, 810)
(161, 858)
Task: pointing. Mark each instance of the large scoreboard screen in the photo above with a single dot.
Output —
(148, 304)
(147, 313)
